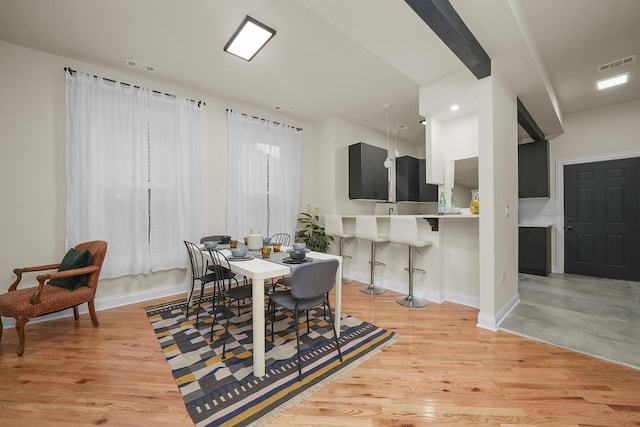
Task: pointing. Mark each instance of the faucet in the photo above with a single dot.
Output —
(390, 210)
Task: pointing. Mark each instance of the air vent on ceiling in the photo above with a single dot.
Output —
(140, 65)
(617, 63)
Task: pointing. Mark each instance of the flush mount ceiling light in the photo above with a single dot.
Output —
(613, 81)
(249, 38)
(455, 107)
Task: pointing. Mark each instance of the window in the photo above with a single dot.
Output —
(133, 173)
(264, 180)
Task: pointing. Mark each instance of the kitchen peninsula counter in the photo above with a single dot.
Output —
(451, 262)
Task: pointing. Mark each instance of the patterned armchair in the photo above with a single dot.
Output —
(74, 283)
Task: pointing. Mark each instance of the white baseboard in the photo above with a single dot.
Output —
(106, 303)
(487, 322)
(463, 299)
(492, 323)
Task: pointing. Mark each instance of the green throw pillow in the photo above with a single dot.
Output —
(73, 259)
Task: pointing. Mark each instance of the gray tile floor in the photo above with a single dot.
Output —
(599, 317)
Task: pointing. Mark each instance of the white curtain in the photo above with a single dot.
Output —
(264, 176)
(175, 179)
(133, 174)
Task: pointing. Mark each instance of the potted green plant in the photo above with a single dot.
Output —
(310, 232)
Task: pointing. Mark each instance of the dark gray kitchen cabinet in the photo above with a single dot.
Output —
(428, 192)
(533, 169)
(368, 178)
(407, 181)
(411, 186)
(534, 250)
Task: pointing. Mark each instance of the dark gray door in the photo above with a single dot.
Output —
(602, 219)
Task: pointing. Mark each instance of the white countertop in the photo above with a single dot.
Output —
(536, 224)
(446, 216)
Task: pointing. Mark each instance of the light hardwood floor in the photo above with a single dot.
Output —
(442, 371)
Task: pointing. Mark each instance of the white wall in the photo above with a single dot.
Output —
(498, 171)
(459, 141)
(32, 166)
(602, 131)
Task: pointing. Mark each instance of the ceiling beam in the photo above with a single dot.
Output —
(443, 19)
(528, 124)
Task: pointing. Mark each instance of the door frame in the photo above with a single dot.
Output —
(560, 164)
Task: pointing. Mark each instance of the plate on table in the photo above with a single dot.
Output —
(293, 250)
(288, 260)
(243, 258)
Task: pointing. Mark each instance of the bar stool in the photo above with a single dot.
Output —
(404, 230)
(333, 227)
(367, 229)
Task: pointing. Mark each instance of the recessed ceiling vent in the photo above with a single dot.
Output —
(140, 65)
(617, 63)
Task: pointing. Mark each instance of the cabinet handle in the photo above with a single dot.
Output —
(568, 227)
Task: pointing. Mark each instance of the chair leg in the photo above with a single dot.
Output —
(213, 322)
(272, 308)
(193, 284)
(199, 303)
(92, 313)
(298, 343)
(333, 326)
(21, 321)
(226, 333)
(76, 315)
(217, 300)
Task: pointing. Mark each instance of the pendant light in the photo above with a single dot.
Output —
(396, 153)
(387, 161)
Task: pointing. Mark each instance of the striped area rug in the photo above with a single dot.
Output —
(220, 392)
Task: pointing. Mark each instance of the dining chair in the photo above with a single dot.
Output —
(282, 238)
(215, 238)
(310, 287)
(227, 295)
(285, 240)
(201, 272)
(318, 244)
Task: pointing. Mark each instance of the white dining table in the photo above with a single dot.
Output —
(258, 269)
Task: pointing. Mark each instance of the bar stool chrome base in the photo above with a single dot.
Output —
(372, 290)
(411, 301)
(404, 230)
(367, 229)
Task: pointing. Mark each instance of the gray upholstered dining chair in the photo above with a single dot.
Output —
(310, 287)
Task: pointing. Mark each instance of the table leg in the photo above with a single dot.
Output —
(258, 327)
(338, 304)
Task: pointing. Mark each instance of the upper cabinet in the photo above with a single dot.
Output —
(368, 178)
(411, 186)
(533, 169)
(428, 192)
(407, 189)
